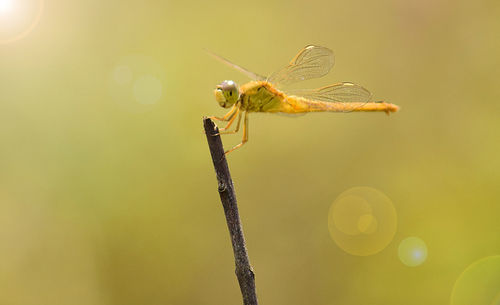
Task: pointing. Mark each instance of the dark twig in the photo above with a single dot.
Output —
(244, 271)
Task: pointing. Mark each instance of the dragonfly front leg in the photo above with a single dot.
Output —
(245, 135)
(228, 115)
(237, 126)
(231, 120)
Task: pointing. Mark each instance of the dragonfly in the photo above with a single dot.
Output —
(266, 94)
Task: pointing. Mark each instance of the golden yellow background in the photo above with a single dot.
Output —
(108, 200)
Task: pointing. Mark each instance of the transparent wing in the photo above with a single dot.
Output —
(337, 93)
(247, 72)
(310, 62)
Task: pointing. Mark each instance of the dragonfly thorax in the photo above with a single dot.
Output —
(227, 93)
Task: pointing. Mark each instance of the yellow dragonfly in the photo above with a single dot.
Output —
(264, 94)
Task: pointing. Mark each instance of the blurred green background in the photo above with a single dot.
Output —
(107, 190)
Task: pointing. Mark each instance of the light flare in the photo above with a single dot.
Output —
(6, 6)
(479, 284)
(412, 251)
(18, 19)
(362, 221)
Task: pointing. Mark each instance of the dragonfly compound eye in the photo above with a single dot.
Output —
(227, 93)
(229, 86)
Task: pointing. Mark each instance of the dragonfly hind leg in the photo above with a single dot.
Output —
(245, 135)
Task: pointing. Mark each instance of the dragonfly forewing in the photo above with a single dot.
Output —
(311, 62)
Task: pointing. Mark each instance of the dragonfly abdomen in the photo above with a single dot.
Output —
(296, 104)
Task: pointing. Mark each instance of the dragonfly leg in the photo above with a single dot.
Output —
(227, 116)
(245, 135)
(237, 126)
(231, 120)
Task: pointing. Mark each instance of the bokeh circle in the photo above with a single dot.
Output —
(479, 284)
(362, 221)
(147, 89)
(412, 251)
(136, 83)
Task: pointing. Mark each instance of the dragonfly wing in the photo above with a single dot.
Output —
(247, 72)
(310, 62)
(337, 93)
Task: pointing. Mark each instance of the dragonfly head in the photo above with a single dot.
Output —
(227, 93)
